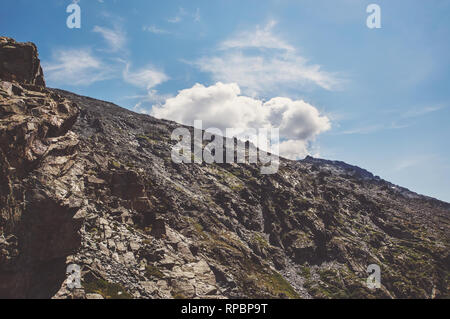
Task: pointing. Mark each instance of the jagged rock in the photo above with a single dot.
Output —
(41, 193)
(20, 62)
(159, 228)
(86, 182)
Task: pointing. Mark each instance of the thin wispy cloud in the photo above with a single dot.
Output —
(276, 65)
(152, 96)
(373, 128)
(414, 161)
(179, 16)
(76, 67)
(262, 37)
(422, 111)
(263, 75)
(363, 130)
(147, 77)
(183, 13)
(116, 38)
(399, 120)
(155, 30)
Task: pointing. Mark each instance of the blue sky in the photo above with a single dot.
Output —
(376, 98)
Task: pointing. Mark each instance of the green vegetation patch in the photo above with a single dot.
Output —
(279, 286)
(153, 272)
(178, 295)
(107, 289)
(261, 241)
(115, 164)
(146, 138)
(305, 273)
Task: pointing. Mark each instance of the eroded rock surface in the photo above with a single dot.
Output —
(19, 62)
(41, 193)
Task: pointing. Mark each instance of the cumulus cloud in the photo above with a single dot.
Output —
(263, 63)
(76, 67)
(218, 106)
(296, 119)
(222, 106)
(294, 149)
(115, 38)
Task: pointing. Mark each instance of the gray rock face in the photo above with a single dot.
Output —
(86, 182)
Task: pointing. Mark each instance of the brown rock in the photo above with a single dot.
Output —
(159, 228)
(19, 62)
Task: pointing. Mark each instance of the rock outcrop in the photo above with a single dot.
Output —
(86, 182)
(19, 62)
(40, 190)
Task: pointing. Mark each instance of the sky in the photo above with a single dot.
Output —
(377, 98)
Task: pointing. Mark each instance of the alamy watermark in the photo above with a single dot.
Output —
(374, 19)
(374, 279)
(74, 19)
(251, 146)
(73, 273)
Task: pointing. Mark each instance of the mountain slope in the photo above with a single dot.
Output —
(112, 201)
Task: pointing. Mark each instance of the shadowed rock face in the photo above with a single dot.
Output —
(91, 183)
(19, 62)
(40, 193)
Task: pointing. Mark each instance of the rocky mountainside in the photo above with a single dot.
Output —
(86, 182)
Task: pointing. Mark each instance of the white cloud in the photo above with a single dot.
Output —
(417, 112)
(175, 19)
(259, 75)
(115, 38)
(366, 129)
(152, 96)
(178, 17)
(413, 161)
(138, 108)
(155, 30)
(259, 38)
(275, 66)
(222, 106)
(147, 77)
(294, 149)
(81, 67)
(182, 13)
(374, 128)
(76, 67)
(296, 119)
